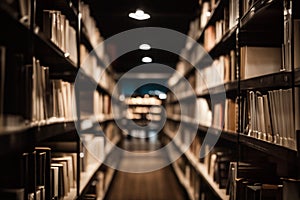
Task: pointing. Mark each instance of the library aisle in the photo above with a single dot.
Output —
(161, 184)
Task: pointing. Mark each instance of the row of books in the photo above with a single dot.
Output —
(225, 115)
(255, 182)
(95, 145)
(93, 68)
(214, 33)
(221, 71)
(49, 172)
(57, 28)
(47, 99)
(102, 104)
(186, 173)
(40, 174)
(258, 61)
(90, 25)
(233, 13)
(146, 100)
(217, 163)
(290, 51)
(100, 185)
(203, 112)
(270, 116)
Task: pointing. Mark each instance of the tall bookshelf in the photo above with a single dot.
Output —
(257, 152)
(45, 47)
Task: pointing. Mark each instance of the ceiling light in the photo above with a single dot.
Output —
(145, 47)
(147, 60)
(139, 15)
(162, 96)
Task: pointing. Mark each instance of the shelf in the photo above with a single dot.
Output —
(183, 181)
(263, 14)
(202, 170)
(87, 176)
(22, 38)
(225, 134)
(268, 148)
(87, 82)
(229, 87)
(47, 131)
(53, 56)
(275, 80)
(91, 48)
(186, 74)
(65, 6)
(215, 14)
(16, 141)
(184, 97)
(226, 43)
(183, 119)
(25, 137)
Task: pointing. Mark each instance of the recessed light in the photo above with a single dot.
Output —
(147, 59)
(162, 96)
(145, 47)
(139, 15)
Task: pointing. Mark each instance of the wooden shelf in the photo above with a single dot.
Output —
(183, 181)
(270, 81)
(225, 134)
(91, 48)
(183, 119)
(258, 25)
(184, 97)
(47, 131)
(87, 177)
(269, 148)
(26, 137)
(262, 13)
(226, 43)
(215, 14)
(87, 82)
(22, 38)
(201, 169)
(230, 87)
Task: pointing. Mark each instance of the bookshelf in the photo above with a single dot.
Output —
(249, 25)
(39, 133)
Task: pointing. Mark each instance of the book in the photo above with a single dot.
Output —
(258, 61)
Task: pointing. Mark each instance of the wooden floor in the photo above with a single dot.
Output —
(161, 184)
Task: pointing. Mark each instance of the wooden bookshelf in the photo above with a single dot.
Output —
(258, 22)
(275, 80)
(269, 148)
(29, 41)
(230, 87)
(261, 11)
(200, 168)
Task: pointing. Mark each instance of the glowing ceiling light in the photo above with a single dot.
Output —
(145, 47)
(139, 15)
(162, 96)
(147, 59)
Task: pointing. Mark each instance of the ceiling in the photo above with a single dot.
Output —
(112, 18)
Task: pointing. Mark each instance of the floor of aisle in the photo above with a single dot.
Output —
(161, 184)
